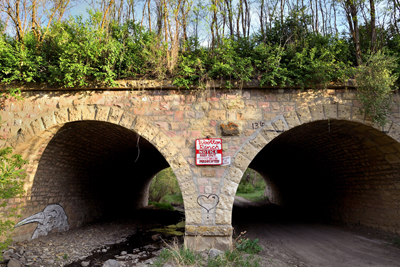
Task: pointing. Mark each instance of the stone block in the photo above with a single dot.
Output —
(241, 162)
(259, 142)
(75, 113)
(304, 114)
(184, 174)
(49, 120)
(357, 114)
(207, 230)
(394, 132)
(61, 116)
(178, 161)
(140, 126)
(234, 175)
(88, 113)
(201, 243)
(291, 119)
(331, 111)
(250, 114)
(192, 217)
(160, 141)
(190, 202)
(317, 112)
(230, 129)
(268, 132)
(249, 151)
(188, 188)
(127, 120)
(37, 126)
(216, 114)
(115, 115)
(225, 202)
(280, 126)
(102, 113)
(223, 216)
(344, 112)
(229, 188)
(150, 132)
(169, 150)
(392, 158)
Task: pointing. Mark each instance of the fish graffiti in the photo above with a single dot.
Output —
(53, 217)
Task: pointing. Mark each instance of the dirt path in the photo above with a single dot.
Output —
(290, 242)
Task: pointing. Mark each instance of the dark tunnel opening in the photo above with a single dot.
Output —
(334, 170)
(96, 170)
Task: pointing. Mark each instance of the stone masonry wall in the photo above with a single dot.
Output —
(171, 120)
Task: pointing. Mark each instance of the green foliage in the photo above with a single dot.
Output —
(251, 182)
(248, 246)
(375, 80)
(180, 255)
(234, 258)
(11, 185)
(164, 183)
(255, 196)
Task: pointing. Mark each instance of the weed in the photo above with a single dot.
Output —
(163, 206)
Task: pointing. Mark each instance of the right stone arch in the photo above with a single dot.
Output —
(330, 155)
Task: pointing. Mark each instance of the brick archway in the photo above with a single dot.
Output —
(32, 140)
(291, 122)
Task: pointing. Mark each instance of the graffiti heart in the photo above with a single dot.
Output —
(53, 217)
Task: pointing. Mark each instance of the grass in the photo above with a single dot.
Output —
(179, 255)
(173, 199)
(255, 196)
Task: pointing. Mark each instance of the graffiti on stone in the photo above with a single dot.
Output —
(53, 217)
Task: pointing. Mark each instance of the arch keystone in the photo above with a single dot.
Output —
(88, 113)
(331, 111)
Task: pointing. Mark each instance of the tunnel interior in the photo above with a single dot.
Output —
(96, 170)
(337, 170)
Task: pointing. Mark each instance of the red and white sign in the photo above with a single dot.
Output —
(209, 151)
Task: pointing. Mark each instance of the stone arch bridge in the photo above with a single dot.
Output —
(94, 151)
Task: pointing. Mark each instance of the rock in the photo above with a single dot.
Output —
(104, 250)
(214, 253)
(230, 129)
(123, 253)
(168, 265)
(156, 237)
(85, 263)
(111, 263)
(13, 263)
(204, 255)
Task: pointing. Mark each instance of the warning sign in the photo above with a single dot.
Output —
(209, 151)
